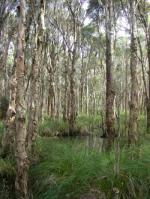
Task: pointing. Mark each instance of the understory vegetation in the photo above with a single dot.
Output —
(72, 168)
(84, 124)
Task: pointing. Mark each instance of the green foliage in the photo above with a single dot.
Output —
(7, 167)
(142, 124)
(92, 123)
(66, 169)
(88, 31)
(7, 178)
(51, 127)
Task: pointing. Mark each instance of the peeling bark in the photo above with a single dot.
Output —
(110, 92)
(21, 132)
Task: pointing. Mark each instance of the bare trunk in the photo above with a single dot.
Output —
(21, 132)
(110, 93)
(148, 101)
(72, 113)
(126, 96)
(34, 85)
(51, 70)
(81, 84)
(51, 99)
(133, 120)
(41, 98)
(72, 56)
(65, 102)
(87, 95)
(145, 20)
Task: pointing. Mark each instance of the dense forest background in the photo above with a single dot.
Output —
(74, 99)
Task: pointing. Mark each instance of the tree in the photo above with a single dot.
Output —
(21, 131)
(143, 13)
(133, 120)
(110, 92)
(35, 71)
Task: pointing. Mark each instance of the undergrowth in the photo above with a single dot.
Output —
(53, 126)
(7, 172)
(67, 169)
(7, 178)
(91, 124)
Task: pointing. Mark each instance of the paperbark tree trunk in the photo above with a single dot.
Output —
(21, 132)
(72, 57)
(133, 118)
(72, 114)
(34, 87)
(81, 88)
(110, 92)
(66, 83)
(148, 101)
(87, 94)
(51, 70)
(144, 15)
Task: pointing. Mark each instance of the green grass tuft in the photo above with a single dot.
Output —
(67, 169)
(53, 126)
(50, 127)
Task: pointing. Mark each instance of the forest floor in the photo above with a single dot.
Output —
(68, 169)
(76, 168)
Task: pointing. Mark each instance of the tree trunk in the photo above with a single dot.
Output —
(87, 95)
(34, 85)
(126, 96)
(51, 70)
(133, 118)
(66, 83)
(81, 84)
(21, 132)
(72, 56)
(148, 101)
(110, 93)
(72, 113)
(145, 22)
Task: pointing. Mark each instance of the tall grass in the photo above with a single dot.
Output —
(67, 169)
(93, 124)
(7, 178)
(53, 126)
